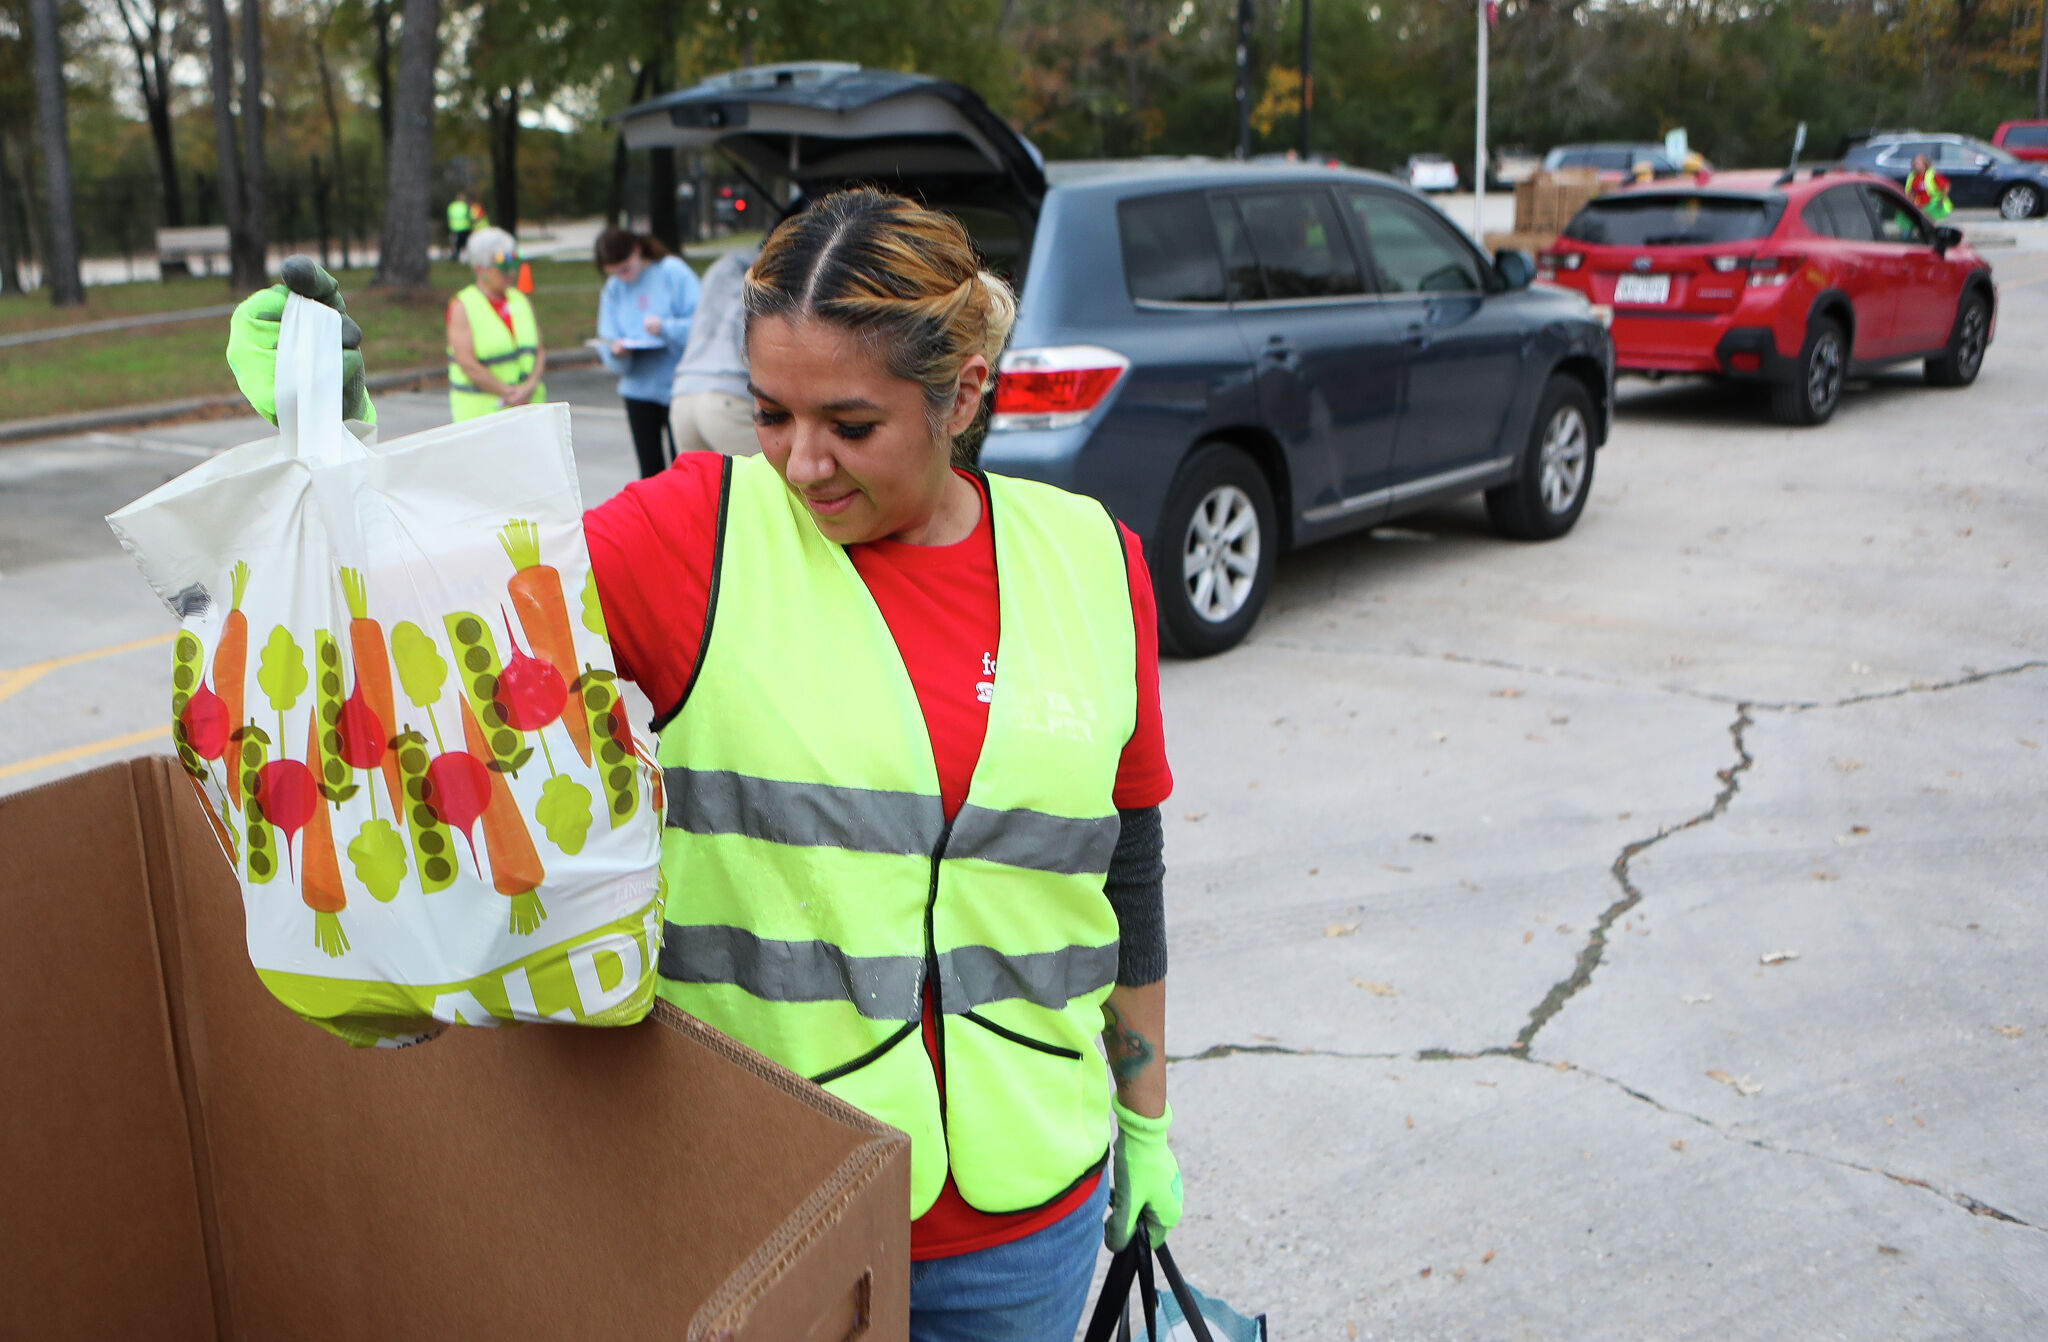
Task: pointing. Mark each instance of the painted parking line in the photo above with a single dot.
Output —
(70, 753)
(131, 441)
(16, 679)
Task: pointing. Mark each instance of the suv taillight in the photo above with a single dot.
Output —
(1765, 272)
(1055, 387)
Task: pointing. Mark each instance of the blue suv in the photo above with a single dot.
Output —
(1238, 359)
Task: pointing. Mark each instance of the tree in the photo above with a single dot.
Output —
(152, 29)
(402, 261)
(60, 262)
(252, 263)
(247, 250)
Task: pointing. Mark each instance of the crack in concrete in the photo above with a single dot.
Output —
(1631, 895)
(1215, 1051)
(1975, 1206)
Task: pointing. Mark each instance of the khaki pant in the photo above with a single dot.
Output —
(713, 421)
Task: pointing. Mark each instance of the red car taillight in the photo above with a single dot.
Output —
(1055, 387)
(1765, 272)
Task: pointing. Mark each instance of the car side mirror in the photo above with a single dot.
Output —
(1983, 161)
(1517, 268)
(1945, 237)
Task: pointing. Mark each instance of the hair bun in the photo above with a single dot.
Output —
(1001, 316)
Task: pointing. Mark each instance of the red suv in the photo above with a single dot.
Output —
(2023, 139)
(1795, 281)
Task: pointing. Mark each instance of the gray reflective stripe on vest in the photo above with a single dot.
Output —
(803, 815)
(863, 820)
(972, 976)
(520, 352)
(1033, 839)
(880, 987)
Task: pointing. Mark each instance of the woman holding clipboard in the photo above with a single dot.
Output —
(643, 322)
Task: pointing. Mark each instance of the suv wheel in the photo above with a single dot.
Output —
(2019, 201)
(1813, 391)
(1213, 559)
(1549, 492)
(1958, 364)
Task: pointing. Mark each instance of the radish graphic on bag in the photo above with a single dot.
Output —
(444, 847)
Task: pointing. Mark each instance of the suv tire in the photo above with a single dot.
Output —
(2019, 201)
(1550, 487)
(1813, 391)
(1212, 562)
(1957, 365)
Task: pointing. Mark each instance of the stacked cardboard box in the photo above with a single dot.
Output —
(182, 1158)
(1545, 203)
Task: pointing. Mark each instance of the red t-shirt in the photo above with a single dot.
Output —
(652, 548)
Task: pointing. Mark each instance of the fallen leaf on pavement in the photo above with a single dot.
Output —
(1776, 957)
(1486, 1257)
(1459, 1273)
(1825, 876)
(1340, 929)
(1741, 1085)
(1564, 927)
(1266, 1038)
(1539, 740)
(2010, 1031)
(1425, 1272)
(1888, 1251)
(1847, 766)
(2025, 742)
(1376, 989)
(1560, 1066)
(1388, 866)
(1196, 815)
(1507, 694)
(1411, 1123)
(1351, 1331)
(1678, 1144)
(1528, 937)
(1859, 829)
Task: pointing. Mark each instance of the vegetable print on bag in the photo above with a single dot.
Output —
(429, 661)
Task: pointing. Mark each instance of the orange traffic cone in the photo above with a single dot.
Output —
(525, 278)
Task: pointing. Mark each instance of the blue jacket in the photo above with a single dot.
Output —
(668, 289)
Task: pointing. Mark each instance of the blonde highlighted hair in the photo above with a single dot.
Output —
(905, 278)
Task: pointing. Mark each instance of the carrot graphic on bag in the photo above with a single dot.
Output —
(504, 747)
(537, 596)
(516, 871)
(372, 702)
(230, 664)
(319, 870)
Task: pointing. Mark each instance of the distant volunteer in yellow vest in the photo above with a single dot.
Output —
(459, 225)
(495, 358)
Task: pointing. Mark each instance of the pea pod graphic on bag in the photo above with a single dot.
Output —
(476, 660)
(433, 846)
(199, 726)
(598, 693)
(337, 781)
(252, 753)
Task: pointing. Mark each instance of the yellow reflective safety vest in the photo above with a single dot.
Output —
(458, 215)
(510, 355)
(816, 891)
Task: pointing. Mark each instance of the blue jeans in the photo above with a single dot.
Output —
(1029, 1290)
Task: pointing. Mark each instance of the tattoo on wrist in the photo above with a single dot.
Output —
(1130, 1053)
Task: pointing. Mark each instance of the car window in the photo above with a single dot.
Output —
(1170, 249)
(1960, 154)
(2027, 137)
(1414, 252)
(1844, 206)
(1239, 265)
(1672, 219)
(1817, 218)
(1300, 244)
(1896, 221)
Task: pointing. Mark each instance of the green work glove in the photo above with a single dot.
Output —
(1146, 1179)
(252, 340)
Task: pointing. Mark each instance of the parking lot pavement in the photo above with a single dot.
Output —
(1479, 850)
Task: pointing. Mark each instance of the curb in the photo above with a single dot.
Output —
(129, 416)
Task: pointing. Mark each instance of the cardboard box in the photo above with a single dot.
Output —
(1535, 244)
(1546, 202)
(182, 1158)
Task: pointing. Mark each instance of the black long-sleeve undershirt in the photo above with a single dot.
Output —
(1137, 891)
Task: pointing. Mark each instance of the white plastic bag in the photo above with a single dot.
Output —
(393, 689)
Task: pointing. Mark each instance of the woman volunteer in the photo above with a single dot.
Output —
(643, 320)
(909, 719)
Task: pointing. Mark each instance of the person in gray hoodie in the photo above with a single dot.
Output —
(710, 408)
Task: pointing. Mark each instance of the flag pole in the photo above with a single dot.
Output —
(1479, 139)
